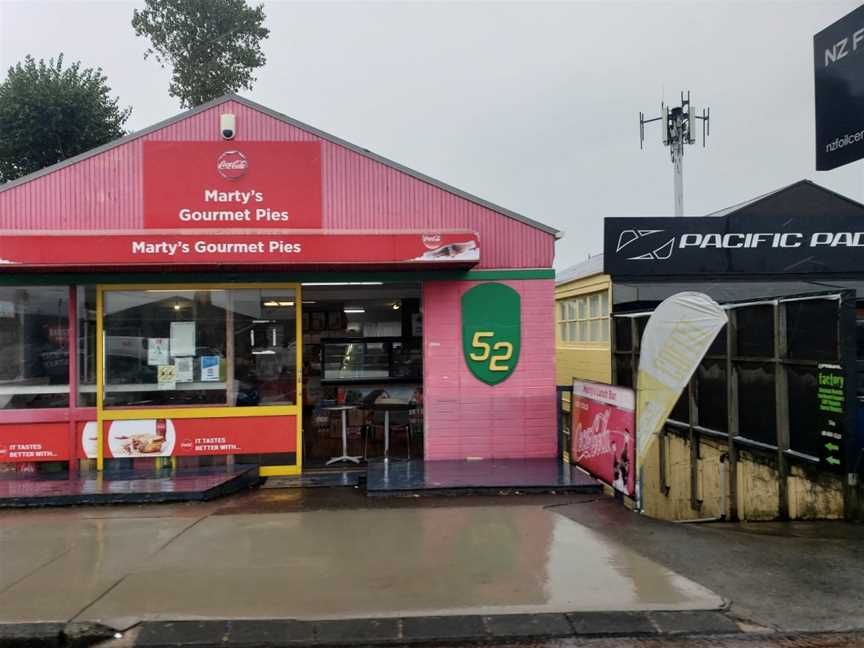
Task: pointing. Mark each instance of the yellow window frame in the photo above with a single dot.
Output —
(118, 414)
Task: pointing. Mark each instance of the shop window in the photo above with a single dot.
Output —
(811, 329)
(584, 318)
(804, 417)
(756, 331)
(623, 336)
(34, 347)
(86, 346)
(711, 394)
(757, 418)
(200, 347)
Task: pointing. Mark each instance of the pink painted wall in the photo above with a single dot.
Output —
(106, 192)
(468, 418)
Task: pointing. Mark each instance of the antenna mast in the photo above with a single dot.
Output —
(678, 128)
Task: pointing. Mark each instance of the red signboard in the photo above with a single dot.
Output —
(232, 185)
(28, 442)
(191, 437)
(604, 433)
(282, 247)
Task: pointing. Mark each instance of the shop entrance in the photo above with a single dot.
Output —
(362, 373)
(195, 375)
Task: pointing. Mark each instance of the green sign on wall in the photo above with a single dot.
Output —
(491, 331)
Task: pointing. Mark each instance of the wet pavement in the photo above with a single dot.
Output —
(221, 562)
(331, 553)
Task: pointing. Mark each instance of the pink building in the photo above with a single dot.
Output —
(233, 286)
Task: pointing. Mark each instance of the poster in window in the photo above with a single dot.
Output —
(166, 377)
(210, 368)
(185, 368)
(157, 351)
(182, 339)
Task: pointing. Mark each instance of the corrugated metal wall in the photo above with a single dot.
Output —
(105, 192)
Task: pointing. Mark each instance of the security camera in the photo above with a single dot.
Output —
(227, 126)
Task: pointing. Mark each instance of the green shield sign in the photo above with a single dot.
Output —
(491, 331)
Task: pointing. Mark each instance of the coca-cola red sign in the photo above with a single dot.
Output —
(232, 165)
(242, 185)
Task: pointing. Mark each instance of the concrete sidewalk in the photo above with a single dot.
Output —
(311, 566)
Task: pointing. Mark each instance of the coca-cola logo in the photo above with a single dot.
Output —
(432, 241)
(232, 165)
(186, 444)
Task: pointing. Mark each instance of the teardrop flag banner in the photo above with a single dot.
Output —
(676, 338)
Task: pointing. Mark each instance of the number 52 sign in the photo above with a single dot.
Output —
(491, 331)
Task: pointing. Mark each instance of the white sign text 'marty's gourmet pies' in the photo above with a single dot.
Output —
(232, 185)
(72, 249)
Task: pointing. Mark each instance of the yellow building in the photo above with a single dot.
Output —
(583, 295)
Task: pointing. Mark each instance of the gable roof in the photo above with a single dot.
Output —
(799, 198)
(297, 124)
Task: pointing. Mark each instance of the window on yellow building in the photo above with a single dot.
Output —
(584, 318)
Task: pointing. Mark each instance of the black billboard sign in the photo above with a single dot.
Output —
(838, 54)
(680, 247)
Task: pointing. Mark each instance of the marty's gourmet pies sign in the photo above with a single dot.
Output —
(238, 184)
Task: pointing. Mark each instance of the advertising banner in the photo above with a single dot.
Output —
(26, 442)
(831, 396)
(838, 63)
(89, 249)
(604, 433)
(192, 437)
(646, 248)
(676, 338)
(225, 185)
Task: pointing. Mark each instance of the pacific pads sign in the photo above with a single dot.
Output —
(838, 61)
(710, 245)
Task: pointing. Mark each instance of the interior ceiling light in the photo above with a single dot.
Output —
(396, 306)
(343, 283)
(354, 310)
(176, 306)
(273, 303)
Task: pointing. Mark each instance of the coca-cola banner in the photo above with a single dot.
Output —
(277, 247)
(191, 437)
(232, 185)
(603, 433)
(27, 442)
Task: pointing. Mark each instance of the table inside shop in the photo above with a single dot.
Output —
(387, 406)
(344, 456)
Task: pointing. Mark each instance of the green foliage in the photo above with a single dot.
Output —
(212, 46)
(49, 114)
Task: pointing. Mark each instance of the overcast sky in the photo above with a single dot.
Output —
(533, 106)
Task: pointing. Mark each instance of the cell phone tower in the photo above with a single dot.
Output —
(677, 128)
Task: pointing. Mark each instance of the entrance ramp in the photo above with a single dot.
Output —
(418, 477)
(126, 486)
